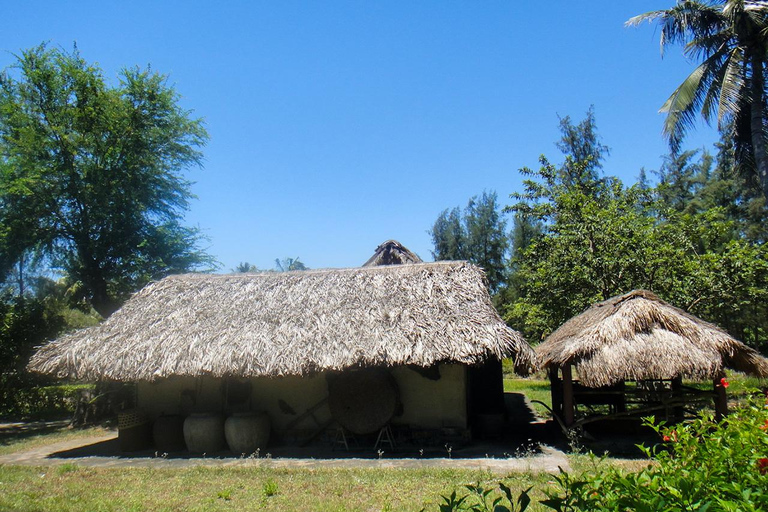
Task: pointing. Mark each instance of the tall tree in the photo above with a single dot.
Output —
(478, 234)
(584, 153)
(730, 39)
(448, 236)
(92, 173)
(487, 242)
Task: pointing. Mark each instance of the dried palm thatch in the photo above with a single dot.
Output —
(391, 252)
(292, 323)
(639, 336)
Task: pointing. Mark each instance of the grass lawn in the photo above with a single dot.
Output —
(73, 488)
(11, 442)
(535, 387)
(69, 487)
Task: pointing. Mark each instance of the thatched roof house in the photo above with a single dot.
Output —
(310, 348)
(638, 336)
(392, 252)
(294, 323)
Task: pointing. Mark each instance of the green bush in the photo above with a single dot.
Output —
(704, 465)
(25, 400)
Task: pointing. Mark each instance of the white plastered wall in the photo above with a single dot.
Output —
(426, 403)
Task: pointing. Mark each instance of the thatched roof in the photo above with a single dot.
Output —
(292, 323)
(391, 252)
(639, 336)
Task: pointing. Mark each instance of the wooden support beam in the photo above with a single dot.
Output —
(556, 390)
(568, 409)
(677, 387)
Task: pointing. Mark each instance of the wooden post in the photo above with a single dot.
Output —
(721, 400)
(677, 394)
(556, 389)
(567, 396)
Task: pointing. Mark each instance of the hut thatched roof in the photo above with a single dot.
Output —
(639, 336)
(391, 252)
(292, 323)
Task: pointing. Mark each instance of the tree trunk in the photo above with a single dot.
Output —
(100, 299)
(756, 123)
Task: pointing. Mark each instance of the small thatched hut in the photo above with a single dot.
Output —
(392, 252)
(639, 337)
(275, 340)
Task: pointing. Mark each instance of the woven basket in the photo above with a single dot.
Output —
(131, 418)
(134, 430)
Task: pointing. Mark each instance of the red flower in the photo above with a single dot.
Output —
(764, 426)
(672, 437)
(724, 382)
(762, 465)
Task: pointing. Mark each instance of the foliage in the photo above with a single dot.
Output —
(281, 265)
(730, 39)
(693, 182)
(91, 174)
(30, 400)
(703, 465)
(245, 267)
(596, 248)
(478, 234)
(695, 238)
(289, 264)
(481, 499)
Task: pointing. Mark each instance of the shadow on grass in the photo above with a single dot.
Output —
(11, 433)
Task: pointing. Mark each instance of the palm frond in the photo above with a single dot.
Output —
(684, 21)
(732, 86)
(682, 105)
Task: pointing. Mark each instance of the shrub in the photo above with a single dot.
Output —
(704, 465)
(27, 399)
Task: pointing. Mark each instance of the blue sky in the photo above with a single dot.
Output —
(337, 125)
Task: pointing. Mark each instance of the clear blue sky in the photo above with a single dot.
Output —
(337, 125)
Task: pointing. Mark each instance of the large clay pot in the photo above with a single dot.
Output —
(204, 432)
(168, 433)
(247, 432)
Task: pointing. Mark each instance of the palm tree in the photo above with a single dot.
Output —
(730, 39)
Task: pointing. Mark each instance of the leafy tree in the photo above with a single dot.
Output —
(584, 153)
(487, 242)
(596, 248)
(91, 174)
(695, 182)
(245, 267)
(289, 264)
(448, 236)
(730, 38)
(525, 231)
(477, 235)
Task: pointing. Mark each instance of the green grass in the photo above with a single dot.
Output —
(535, 387)
(11, 442)
(234, 489)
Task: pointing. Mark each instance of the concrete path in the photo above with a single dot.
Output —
(67, 452)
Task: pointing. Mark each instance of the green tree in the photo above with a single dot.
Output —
(730, 39)
(289, 265)
(448, 236)
(477, 235)
(91, 174)
(584, 153)
(245, 267)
